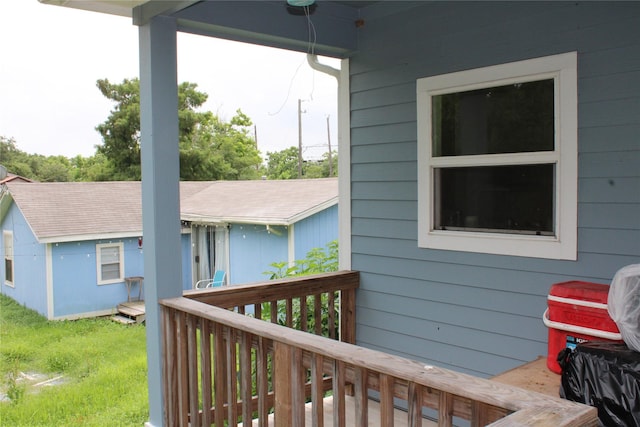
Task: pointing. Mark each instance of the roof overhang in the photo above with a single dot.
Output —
(204, 219)
(111, 7)
(140, 10)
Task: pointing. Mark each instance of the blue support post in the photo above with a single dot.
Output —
(160, 189)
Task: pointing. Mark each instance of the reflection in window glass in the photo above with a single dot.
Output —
(497, 198)
(504, 119)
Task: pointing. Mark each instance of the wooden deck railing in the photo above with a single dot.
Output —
(222, 368)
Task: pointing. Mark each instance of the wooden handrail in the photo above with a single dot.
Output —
(256, 293)
(451, 393)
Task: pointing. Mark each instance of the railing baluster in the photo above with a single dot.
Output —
(219, 374)
(298, 377)
(332, 315)
(262, 383)
(339, 415)
(289, 312)
(386, 400)
(361, 397)
(303, 313)
(414, 399)
(317, 391)
(183, 382)
(257, 311)
(347, 316)
(232, 377)
(246, 377)
(192, 371)
(171, 389)
(317, 313)
(479, 414)
(205, 357)
(282, 384)
(445, 409)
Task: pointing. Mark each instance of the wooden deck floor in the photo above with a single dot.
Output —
(532, 376)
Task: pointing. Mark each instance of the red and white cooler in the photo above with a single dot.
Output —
(577, 313)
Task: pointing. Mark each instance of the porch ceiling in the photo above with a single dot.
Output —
(264, 22)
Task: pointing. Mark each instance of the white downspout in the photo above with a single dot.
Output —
(344, 156)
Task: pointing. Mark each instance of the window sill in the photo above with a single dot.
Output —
(549, 247)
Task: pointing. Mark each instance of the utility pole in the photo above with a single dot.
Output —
(299, 138)
(329, 142)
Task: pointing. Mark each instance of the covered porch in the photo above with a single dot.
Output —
(300, 364)
(204, 355)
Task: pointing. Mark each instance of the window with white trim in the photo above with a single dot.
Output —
(110, 263)
(7, 238)
(497, 159)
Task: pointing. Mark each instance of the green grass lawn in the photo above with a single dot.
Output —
(102, 365)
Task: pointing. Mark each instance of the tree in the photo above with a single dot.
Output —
(209, 147)
(54, 169)
(220, 150)
(284, 165)
(94, 168)
(33, 166)
(15, 160)
(121, 131)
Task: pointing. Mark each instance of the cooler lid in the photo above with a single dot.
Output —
(585, 291)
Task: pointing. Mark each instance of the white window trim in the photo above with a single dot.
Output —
(99, 247)
(7, 236)
(563, 69)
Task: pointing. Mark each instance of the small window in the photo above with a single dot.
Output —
(7, 237)
(110, 263)
(497, 158)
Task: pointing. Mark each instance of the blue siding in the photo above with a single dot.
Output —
(252, 249)
(474, 312)
(315, 231)
(30, 286)
(75, 283)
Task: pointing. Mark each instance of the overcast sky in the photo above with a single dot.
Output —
(52, 56)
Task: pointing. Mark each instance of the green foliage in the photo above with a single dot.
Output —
(121, 131)
(210, 148)
(103, 366)
(318, 260)
(53, 168)
(218, 150)
(284, 165)
(33, 166)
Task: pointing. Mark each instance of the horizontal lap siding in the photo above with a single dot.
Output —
(29, 264)
(316, 231)
(474, 312)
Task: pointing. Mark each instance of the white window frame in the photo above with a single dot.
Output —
(563, 245)
(99, 248)
(7, 238)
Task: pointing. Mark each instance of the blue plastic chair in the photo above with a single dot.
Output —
(218, 280)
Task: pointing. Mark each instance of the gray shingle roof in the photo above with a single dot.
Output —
(65, 211)
(260, 202)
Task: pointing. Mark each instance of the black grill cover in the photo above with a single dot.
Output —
(606, 376)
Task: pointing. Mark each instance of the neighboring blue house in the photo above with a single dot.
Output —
(67, 247)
